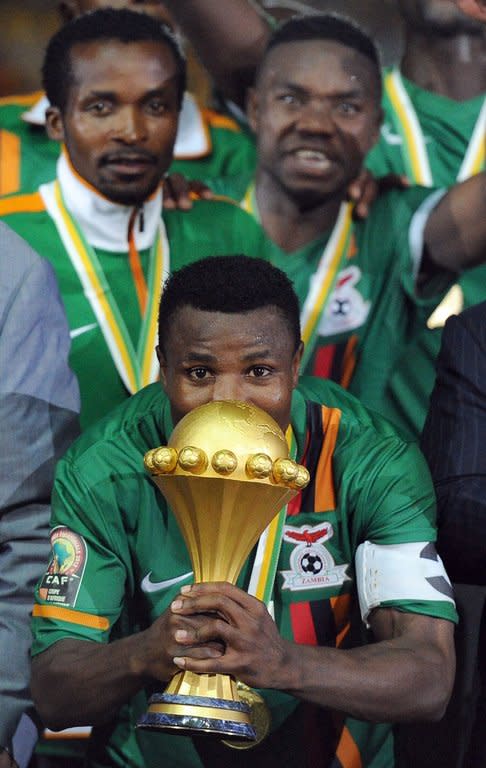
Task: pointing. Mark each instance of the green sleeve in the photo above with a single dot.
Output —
(393, 501)
(81, 594)
(411, 209)
(393, 492)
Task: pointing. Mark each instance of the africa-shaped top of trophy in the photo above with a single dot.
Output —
(231, 439)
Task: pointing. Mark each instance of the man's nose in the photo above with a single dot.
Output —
(227, 388)
(316, 118)
(131, 126)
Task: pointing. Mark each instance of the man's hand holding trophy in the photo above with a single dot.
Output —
(227, 477)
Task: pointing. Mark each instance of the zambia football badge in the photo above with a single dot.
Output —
(311, 564)
(60, 584)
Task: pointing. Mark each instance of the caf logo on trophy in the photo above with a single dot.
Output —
(226, 473)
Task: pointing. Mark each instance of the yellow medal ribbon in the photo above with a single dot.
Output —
(137, 368)
(324, 278)
(474, 159)
(415, 154)
(265, 565)
(249, 203)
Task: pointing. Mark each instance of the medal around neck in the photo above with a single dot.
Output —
(225, 473)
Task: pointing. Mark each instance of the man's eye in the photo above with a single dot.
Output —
(289, 99)
(259, 371)
(157, 106)
(198, 373)
(99, 107)
(347, 108)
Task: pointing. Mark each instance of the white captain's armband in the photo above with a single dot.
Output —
(393, 572)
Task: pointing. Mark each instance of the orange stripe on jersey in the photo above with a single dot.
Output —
(136, 266)
(347, 751)
(340, 607)
(32, 203)
(73, 617)
(325, 497)
(24, 100)
(9, 163)
(353, 247)
(349, 361)
(221, 121)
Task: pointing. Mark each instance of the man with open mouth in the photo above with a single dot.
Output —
(366, 287)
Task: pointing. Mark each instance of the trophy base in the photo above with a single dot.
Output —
(199, 715)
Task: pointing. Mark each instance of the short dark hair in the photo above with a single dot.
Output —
(233, 284)
(103, 24)
(326, 26)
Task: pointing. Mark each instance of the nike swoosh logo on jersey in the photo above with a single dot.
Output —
(155, 586)
(82, 329)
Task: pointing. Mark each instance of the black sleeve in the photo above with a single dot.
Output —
(454, 443)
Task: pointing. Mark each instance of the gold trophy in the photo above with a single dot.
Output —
(226, 473)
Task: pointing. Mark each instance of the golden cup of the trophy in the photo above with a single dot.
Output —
(225, 474)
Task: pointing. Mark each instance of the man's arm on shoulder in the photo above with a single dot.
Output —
(454, 443)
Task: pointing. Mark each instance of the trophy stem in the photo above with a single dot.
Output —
(200, 703)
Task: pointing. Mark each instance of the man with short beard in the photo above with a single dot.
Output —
(208, 143)
(115, 81)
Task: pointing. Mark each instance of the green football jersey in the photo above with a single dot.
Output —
(28, 157)
(445, 127)
(374, 310)
(453, 146)
(108, 579)
(231, 150)
(406, 398)
(211, 228)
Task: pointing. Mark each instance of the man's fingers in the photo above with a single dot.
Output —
(221, 590)
(177, 192)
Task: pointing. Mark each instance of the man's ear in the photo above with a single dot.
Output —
(296, 361)
(252, 108)
(54, 124)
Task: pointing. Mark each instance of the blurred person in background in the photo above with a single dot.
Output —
(208, 144)
(39, 405)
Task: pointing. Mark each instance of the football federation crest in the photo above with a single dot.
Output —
(312, 565)
(60, 584)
